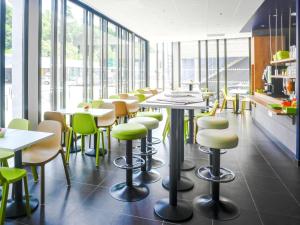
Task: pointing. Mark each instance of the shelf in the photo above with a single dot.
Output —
(282, 61)
(282, 76)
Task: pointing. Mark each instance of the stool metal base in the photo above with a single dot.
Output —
(224, 209)
(187, 165)
(146, 177)
(125, 193)
(184, 184)
(181, 212)
(16, 209)
(155, 163)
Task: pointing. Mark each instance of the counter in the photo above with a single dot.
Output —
(276, 124)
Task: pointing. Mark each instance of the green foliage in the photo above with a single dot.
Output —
(8, 29)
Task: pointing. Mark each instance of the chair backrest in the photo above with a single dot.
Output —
(141, 97)
(213, 111)
(57, 116)
(154, 91)
(224, 92)
(120, 108)
(84, 123)
(20, 124)
(141, 91)
(114, 97)
(123, 96)
(54, 127)
(96, 104)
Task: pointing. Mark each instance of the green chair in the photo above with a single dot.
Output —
(7, 177)
(20, 124)
(114, 97)
(167, 127)
(155, 115)
(140, 97)
(84, 124)
(141, 91)
(228, 98)
(96, 104)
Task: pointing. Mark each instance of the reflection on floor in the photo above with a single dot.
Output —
(267, 187)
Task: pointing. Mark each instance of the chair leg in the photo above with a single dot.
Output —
(5, 190)
(97, 149)
(82, 144)
(166, 129)
(108, 138)
(103, 144)
(69, 145)
(34, 174)
(223, 105)
(42, 184)
(65, 167)
(28, 210)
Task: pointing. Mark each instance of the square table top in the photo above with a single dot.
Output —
(93, 112)
(193, 101)
(15, 140)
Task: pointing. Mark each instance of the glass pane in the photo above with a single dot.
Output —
(143, 64)
(203, 64)
(59, 58)
(97, 58)
(74, 55)
(125, 61)
(189, 62)
(160, 63)
(89, 58)
(238, 65)
(153, 71)
(212, 66)
(130, 57)
(137, 64)
(46, 62)
(221, 66)
(168, 66)
(112, 59)
(176, 65)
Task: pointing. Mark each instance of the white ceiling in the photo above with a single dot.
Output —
(174, 20)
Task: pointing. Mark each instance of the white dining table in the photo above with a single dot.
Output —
(96, 113)
(127, 101)
(15, 141)
(171, 208)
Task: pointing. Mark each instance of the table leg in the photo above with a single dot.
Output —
(16, 207)
(190, 87)
(170, 208)
(92, 151)
(237, 107)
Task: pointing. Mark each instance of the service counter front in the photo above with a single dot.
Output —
(276, 124)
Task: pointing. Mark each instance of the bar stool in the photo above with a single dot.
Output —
(129, 191)
(147, 174)
(212, 205)
(156, 163)
(212, 122)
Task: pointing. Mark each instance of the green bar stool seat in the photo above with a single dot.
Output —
(7, 177)
(129, 191)
(156, 163)
(147, 174)
(212, 205)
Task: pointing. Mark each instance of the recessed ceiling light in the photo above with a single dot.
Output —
(220, 13)
(262, 25)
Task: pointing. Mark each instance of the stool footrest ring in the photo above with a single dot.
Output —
(121, 163)
(150, 151)
(154, 141)
(206, 150)
(226, 175)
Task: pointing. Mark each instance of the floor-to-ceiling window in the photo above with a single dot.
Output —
(222, 69)
(112, 64)
(130, 61)
(143, 64)
(97, 58)
(238, 65)
(212, 66)
(137, 62)
(46, 72)
(160, 64)
(75, 51)
(153, 66)
(204, 65)
(168, 66)
(189, 62)
(124, 61)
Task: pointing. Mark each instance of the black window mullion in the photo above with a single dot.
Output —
(199, 61)
(63, 52)
(85, 55)
(179, 64)
(225, 62)
(91, 56)
(206, 56)
(218, 72)
(53, 94)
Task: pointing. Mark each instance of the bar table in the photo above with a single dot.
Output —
(17, 140)
(171, 208)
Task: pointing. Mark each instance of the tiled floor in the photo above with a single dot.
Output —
(267, 187)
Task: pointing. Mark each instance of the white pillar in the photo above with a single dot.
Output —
(33, 62)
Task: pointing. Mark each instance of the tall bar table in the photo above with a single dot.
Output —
(17, 140)
(171, 208)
